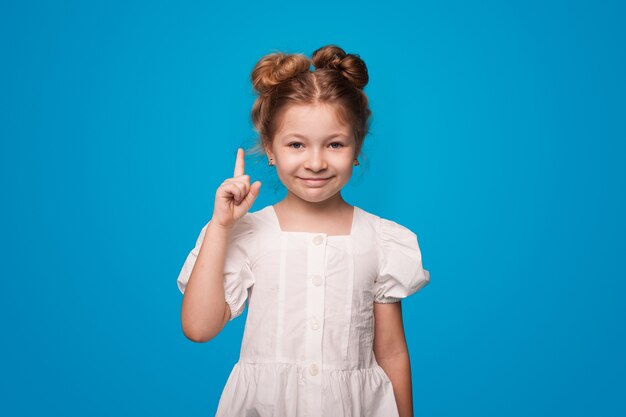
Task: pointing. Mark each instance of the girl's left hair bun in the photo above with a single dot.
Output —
(351, 66)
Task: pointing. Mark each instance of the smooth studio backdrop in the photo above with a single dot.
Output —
(498, 136)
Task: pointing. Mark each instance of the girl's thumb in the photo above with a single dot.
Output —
(253, 193)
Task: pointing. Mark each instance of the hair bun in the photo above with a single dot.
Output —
(277, 67)
(350, 66)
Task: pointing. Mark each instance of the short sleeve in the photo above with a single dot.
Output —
(238, 277)
(400, 264)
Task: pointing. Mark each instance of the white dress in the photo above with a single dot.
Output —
(307, 347)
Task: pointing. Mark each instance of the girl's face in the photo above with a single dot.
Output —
(313, 152)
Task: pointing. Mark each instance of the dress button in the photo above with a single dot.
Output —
(318, 239)
(317, 280)
(315, 324)
(313, 370)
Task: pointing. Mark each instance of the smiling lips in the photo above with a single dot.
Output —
(314, 181)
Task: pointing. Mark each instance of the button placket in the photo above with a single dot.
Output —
(316, 257)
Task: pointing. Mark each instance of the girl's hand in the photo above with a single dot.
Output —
(235, 196)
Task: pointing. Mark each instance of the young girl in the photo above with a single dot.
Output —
(323, 279)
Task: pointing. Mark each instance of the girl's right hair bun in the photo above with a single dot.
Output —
(351, 66)
(275, 68)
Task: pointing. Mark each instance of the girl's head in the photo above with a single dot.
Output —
(311, 124)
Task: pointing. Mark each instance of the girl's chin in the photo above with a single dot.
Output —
(311, 196)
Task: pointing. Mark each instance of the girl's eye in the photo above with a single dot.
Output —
(298, 145)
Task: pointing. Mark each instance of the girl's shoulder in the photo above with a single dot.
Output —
(400, 269)
(382, 226)
(259, 219)
(256, 223)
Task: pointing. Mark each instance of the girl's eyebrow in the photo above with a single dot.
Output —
(297, 135)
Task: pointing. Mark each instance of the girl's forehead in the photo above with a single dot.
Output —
(321, 115)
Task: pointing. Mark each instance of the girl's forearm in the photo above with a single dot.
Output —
(398, 369)
(204, 309)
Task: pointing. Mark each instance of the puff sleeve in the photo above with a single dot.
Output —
(400, 264)
(238, 277)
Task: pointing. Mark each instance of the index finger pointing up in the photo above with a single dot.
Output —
(239, 164)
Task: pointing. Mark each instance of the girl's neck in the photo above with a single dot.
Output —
(332, 216)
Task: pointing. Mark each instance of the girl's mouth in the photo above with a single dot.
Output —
(314, 181)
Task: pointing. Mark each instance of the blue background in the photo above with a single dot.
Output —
(498, 136)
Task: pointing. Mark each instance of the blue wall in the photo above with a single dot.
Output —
(498, 136)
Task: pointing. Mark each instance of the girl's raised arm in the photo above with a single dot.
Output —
(204, 310)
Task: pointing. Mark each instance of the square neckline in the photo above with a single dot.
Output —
(355, 213)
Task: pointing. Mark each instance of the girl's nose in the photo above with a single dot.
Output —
(316, 161)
